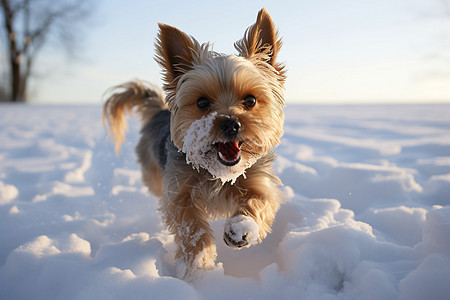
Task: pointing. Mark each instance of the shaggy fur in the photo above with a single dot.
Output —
(191, 197)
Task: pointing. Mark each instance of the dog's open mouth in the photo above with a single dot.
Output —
(229, 153)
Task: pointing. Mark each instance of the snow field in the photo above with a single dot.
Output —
(367, 215)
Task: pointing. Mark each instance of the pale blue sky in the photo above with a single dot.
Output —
(336, 51)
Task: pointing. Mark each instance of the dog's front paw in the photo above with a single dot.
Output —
(241, 231)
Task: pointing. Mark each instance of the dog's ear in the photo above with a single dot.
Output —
(173, 52)
(261, 38)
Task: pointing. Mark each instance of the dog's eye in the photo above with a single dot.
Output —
(249, 101)
(203, 103)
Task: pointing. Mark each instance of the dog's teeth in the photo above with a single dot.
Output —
(222, 157)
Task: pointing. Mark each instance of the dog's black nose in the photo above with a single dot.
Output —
(230, 127)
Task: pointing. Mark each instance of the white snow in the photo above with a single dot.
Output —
(367, 214)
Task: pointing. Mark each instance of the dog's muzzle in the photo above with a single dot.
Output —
(229, 153)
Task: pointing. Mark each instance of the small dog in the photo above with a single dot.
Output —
(208, 149)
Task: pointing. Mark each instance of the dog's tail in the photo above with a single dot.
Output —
(147, 100)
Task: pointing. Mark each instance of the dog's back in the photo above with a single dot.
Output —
(148, 102)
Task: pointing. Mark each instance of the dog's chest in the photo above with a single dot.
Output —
(221, 200)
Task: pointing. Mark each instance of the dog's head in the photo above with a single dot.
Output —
(226, 110)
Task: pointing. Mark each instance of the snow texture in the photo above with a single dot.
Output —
(200, 152)
(367, 214)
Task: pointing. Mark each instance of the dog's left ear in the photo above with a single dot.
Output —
(261, 38)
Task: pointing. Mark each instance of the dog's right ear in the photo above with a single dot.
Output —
(174, 51)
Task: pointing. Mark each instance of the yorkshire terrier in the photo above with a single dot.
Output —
(207, 149)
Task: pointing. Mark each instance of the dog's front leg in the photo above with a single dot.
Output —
(256, 212)
(193, 235)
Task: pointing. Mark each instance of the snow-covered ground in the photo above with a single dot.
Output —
(368, 214)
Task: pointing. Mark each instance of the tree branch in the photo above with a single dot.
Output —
(40, 20)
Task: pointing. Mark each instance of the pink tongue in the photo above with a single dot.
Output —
(229, 150)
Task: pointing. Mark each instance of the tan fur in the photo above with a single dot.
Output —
(191, 198)
(147, 99)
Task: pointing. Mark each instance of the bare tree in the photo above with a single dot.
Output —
(30, 24)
